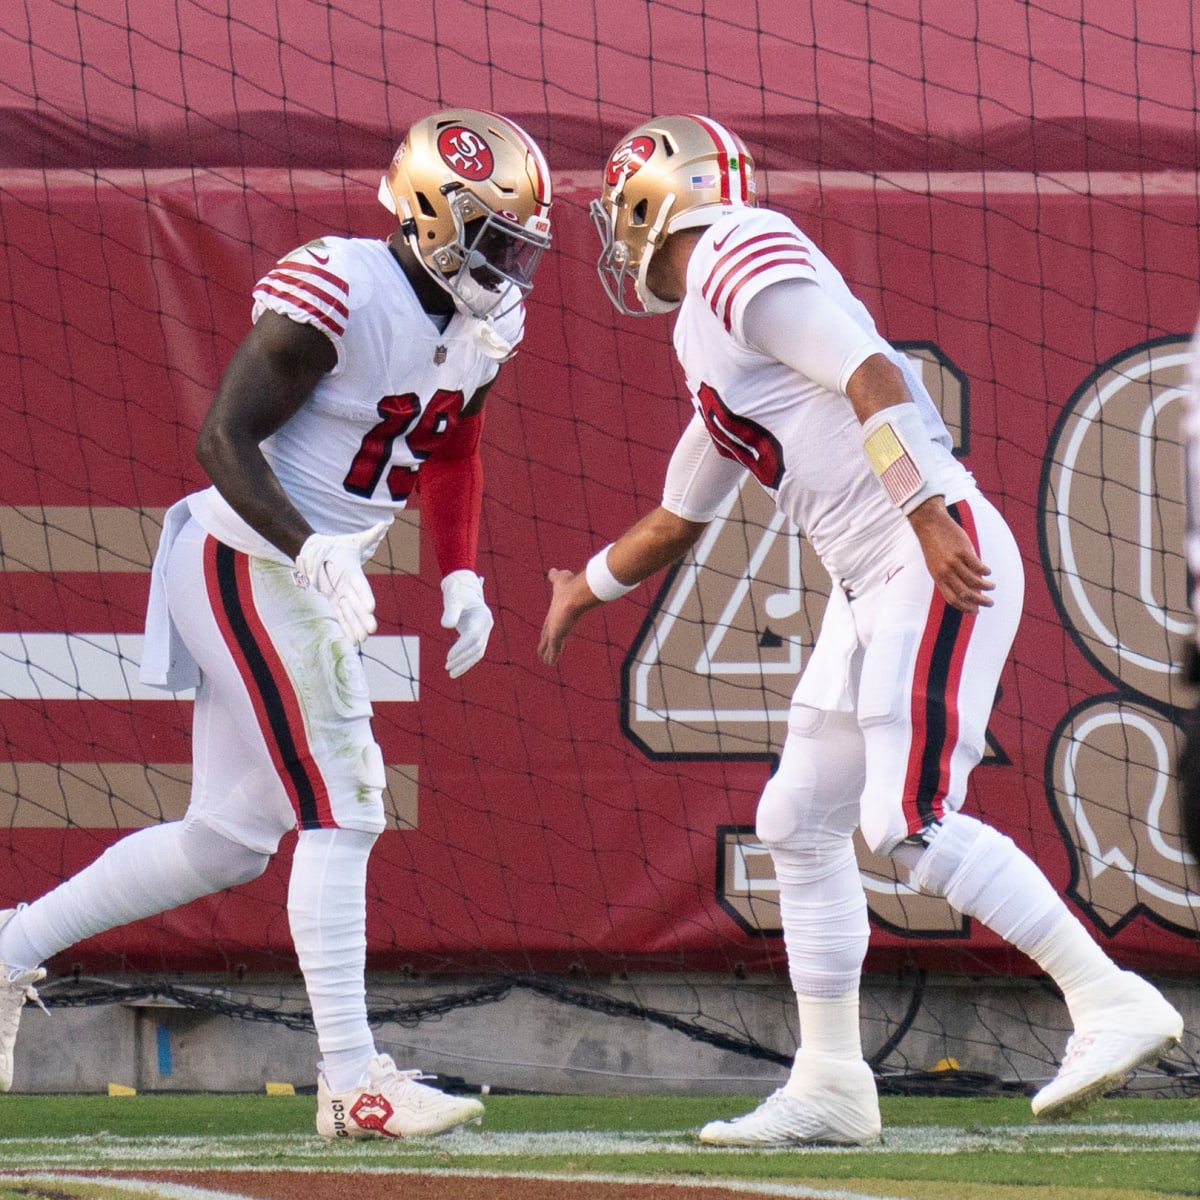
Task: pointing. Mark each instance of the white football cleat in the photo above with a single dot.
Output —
(15, 988)
(838, 1106)
(391, 1104)
(1135, 1028)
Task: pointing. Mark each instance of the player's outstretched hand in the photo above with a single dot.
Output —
(333, 565)
(564, 611)
(465, 609)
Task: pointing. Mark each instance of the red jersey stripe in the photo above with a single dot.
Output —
(778, 260)
(727, 266)
(335, 281)
(323, 317)
(284, 278)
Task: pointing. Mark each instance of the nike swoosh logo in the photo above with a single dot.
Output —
(892, 574)
(321, 258)
(721, 244)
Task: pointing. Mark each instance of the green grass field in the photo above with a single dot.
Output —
(932, 1149)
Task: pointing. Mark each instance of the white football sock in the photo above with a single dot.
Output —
(829, 1025)
(823, 910)
(985, 875)
(327, 911)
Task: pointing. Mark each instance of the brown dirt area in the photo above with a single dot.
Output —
(333, 1185)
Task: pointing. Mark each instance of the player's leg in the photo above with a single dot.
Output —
(361, 1093)
(312, 716)
(149, 871)
(931, 739)
(145, 873)
(806, 818)
(163, 866)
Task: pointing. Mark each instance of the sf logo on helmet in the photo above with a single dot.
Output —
(465, 152)
(628, 158)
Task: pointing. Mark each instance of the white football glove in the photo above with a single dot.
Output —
(466, 610)
(332, 563)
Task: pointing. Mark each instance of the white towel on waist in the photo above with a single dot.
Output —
(166, 661)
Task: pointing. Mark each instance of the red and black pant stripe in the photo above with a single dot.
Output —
(227, 577)
(936, 682)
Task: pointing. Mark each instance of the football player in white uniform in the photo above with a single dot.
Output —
(791, 381)
(362, 378)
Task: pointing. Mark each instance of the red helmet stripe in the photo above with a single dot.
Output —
(715, 132)
(727, 149)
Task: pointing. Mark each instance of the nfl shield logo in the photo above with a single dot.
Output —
(439, 356)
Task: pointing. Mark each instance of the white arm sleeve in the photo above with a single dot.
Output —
(698, 477)
(795, 322)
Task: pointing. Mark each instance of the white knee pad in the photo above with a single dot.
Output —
(806, 819)
(813, 797)
(797, 829)
(782, 813)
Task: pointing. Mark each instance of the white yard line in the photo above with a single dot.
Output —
(233, 1151)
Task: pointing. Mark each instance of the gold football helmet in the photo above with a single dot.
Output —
(670, 173)
(472, 192)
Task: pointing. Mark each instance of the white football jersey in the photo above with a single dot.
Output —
(801, 441)
(349, 457)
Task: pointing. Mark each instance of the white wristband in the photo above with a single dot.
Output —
(901, 454)
(604, 584)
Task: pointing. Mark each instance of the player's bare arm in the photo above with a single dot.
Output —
(657, 540)
(269, 377)
(961, 577)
